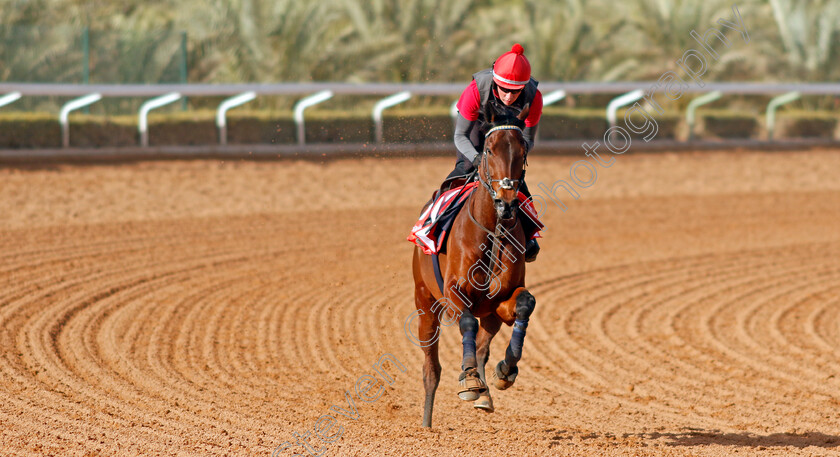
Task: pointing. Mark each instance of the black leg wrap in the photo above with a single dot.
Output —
(468, 322)
(469, 327)
(525, 304)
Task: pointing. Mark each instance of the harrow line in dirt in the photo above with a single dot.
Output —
(684, 307)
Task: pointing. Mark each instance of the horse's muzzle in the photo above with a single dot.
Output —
(505, 210)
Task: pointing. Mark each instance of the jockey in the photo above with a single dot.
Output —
(508, 85)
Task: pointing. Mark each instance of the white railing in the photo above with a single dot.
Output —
(143, 115)
(394, 93)
(192, 90)
(227, 104)
(301, 106)
(64, 114)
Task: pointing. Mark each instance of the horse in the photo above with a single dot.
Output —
(482, 271)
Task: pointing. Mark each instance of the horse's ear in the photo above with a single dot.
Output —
(524, 113)
(489, 113)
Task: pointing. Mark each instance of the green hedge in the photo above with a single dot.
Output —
(569, 124)
(417, 129)
(29, 130)
(806, 124)
(40, 130)
(89, 131)
(728, 124)
(667, 123)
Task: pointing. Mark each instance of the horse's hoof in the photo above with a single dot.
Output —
(501, 380)
(485, 403)
(470, 385)
(469, 395)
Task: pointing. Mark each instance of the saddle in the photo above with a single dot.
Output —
(449, 184)
(432, 228)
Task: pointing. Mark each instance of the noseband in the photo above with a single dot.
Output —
(504, 183)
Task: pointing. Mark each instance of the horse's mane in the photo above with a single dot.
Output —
(500, 116)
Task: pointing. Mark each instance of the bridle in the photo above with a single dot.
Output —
(504, 183)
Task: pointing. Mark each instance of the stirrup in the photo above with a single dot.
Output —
(532, 248)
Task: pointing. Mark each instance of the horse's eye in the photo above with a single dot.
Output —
(487, 151)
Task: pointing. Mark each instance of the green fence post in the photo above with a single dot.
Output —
(85, 55)
(184, 66)
(86, 60)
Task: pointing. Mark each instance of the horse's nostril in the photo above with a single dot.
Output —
(504, 209)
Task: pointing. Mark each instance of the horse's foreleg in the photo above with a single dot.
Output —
(431, 366)
(469, 328)
(522, 303)
(469, 381)
(488, 328)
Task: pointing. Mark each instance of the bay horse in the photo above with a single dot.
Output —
(482, 272)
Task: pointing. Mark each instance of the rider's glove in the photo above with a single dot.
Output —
(476, 161)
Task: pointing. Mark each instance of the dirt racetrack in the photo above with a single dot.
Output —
(687, 304)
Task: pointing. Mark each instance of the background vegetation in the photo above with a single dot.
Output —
(406, 40)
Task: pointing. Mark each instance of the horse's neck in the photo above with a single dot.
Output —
(497, 253)
(481, 206)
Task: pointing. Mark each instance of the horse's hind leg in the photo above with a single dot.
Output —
(429, 332)
(488, 328)
(431, 379)
(518, 309)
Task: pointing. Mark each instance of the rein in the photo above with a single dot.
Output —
(497, 236)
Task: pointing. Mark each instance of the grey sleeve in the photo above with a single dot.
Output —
(529, 133)
(462, 137)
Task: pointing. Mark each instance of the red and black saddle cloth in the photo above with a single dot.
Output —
(431, 230)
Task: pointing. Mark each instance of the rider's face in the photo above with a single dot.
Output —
(508, 96)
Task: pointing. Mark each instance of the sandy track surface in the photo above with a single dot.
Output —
(686, 305)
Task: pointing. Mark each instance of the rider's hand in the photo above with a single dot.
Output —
(476, 161)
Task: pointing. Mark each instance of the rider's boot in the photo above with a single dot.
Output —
(532, 248)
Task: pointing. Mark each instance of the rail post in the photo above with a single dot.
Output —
(304, 103)
(381, 105)
(696, 103)
(618, 102)
(64, 114)
(773, 105)
(143, 115)
(9, 98)
(228, 103)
